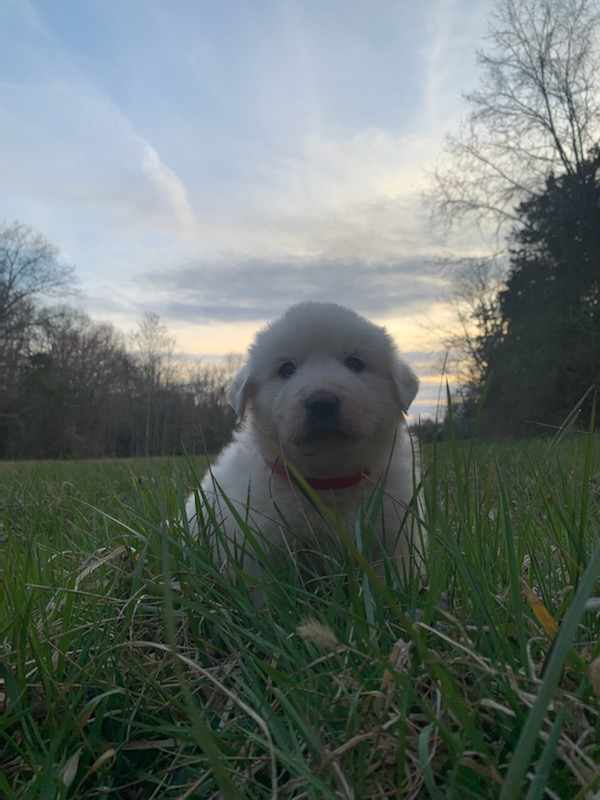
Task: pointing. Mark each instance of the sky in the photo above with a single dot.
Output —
(217, 162)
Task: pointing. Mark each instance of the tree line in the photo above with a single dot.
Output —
(527, 162)
(71, 387)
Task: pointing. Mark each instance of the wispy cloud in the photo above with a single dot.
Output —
(450, 59)
(254, 290)
(169, 186)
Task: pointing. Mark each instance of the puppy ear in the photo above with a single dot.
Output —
(406, 383)
(239, 391)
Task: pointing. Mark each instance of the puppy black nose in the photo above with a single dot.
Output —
(322, 407)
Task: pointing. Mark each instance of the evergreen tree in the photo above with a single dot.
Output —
(548, 352)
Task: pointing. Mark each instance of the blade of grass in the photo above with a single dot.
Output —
(513, 569)
(535, 719)
(537, 789)
(425, 762)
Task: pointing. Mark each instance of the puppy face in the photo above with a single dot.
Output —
(326, 389)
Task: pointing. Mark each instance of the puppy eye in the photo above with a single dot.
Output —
(286, 370)
(355, 364)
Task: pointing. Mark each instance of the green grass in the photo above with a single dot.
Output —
(133, 669)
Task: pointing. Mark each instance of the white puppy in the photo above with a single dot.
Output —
(323, 390)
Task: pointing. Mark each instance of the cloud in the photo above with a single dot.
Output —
(450, 59)
(73, 162)
(168, 185)
(104, 302)
(255, 290)
(327, 172)
(88, 159)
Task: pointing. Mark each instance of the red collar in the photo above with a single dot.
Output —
(320, 484)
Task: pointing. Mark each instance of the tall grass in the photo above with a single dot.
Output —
(132, 668)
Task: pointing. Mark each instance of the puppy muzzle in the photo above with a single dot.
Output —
(322, 411)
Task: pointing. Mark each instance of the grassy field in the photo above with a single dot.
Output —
(132, 669)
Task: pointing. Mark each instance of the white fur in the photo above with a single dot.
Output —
(318, 338)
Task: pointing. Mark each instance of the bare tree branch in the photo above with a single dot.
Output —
(537, 109)
(30, 267)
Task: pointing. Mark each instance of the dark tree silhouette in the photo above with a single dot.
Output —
(536, 109)
(70, 387)
(545, 353)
